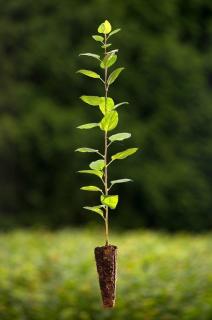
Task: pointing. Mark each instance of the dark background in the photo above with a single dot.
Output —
(166, 48)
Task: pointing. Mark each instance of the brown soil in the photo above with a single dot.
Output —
(106, 267)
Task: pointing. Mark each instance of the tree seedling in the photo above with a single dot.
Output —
(105, 256)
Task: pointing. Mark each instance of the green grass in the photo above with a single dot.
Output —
(52, 276)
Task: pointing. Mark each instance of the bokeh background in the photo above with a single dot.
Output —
(166, 49)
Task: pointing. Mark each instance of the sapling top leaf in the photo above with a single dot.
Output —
(108, 118)
(105, 27)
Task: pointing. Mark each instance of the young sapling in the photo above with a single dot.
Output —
(106, 255)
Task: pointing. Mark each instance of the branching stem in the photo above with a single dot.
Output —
(109, 163)
(102, 155)
(109, 187)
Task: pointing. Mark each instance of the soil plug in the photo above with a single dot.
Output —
(106, 264)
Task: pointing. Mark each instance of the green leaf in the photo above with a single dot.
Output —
(120, 136)
(120, 181)
(110, 201)
(97, 165)
(110, 121)
(95, 172)
(124, 154)
(92, 100)
(95, 209)
(106, 105)
(108, 61)
(120, 104)
(92, 55)
(86, 150)
(90, 188)
(89, 73)
(114, 32)
(113, 51)
(105, 27)
(114, 75)
(106, 45)
(88, 126)
(99, 101)
(98, 38)
(101, 28)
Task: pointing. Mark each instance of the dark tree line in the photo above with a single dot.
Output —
(166, 47)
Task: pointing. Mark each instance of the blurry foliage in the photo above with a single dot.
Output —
(43, 276)
(166, 48)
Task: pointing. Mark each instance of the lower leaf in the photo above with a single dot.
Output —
(97, 165)
(110, 201)
(124, 154)
(96, 209)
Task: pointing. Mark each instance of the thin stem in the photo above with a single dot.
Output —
(105, 153)
(106, 193)
(102, 155)
(103, 181)
(109, 163)
(109, 187)
(109, 143)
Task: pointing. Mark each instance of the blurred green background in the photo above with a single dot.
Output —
(166, 47)
(51, 275)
